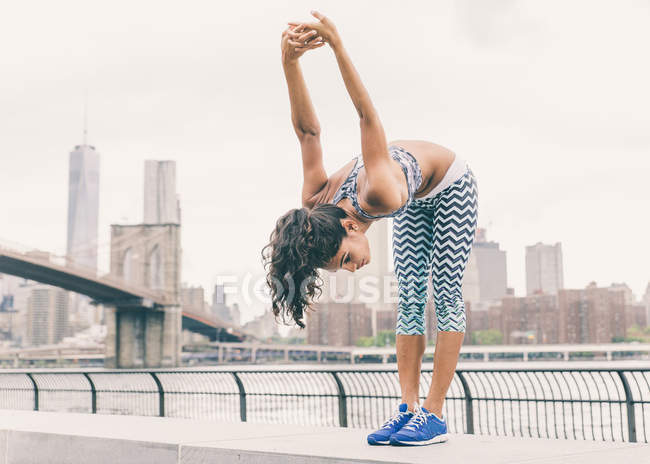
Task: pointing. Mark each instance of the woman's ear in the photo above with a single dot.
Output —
(349, 225)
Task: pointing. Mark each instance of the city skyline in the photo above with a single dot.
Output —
(553, 163)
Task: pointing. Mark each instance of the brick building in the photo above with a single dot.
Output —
(636, 314)
(338, 324)
(529, 320)
(591, 315)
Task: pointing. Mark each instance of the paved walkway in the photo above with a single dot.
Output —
(41, 437)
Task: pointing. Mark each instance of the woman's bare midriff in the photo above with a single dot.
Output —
(434, 161)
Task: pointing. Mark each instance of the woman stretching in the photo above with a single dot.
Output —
(431, 194)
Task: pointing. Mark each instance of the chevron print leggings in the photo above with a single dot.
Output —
(434, 236)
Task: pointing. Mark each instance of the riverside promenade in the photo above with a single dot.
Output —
(69, 438)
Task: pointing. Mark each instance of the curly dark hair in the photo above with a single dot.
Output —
(303, 241)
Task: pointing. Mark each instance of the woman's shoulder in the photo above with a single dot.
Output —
(334, 182)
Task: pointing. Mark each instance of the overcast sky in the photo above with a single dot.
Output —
(547, 101)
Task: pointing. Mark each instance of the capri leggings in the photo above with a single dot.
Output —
(434, 236)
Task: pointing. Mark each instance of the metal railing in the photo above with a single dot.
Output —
(589, 404)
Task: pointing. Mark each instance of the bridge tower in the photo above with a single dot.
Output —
(141, 333)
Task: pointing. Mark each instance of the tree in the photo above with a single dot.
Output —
(385, 338)
(637, 334)
(487, 337)
(365, 341)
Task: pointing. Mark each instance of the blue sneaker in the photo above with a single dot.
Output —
(424, 428)
(400, 417)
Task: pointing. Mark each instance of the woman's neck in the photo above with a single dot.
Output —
(363, 223)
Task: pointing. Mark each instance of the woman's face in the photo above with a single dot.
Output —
(354, 252)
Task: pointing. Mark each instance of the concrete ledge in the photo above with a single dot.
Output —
(41, 437)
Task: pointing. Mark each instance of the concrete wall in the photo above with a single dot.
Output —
(39, 437)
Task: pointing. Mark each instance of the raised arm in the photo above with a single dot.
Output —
(382, 187)
(303, 115)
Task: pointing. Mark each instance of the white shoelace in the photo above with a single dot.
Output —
(397, 415)
(419, 417)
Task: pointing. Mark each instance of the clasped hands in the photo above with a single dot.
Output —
(300, 36)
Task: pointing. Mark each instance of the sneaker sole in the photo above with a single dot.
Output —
(437, 439)
(372, 441)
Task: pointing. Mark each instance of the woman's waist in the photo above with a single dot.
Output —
(455, 171)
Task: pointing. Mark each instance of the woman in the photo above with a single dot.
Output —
(431, 194)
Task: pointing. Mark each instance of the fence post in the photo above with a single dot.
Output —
(343, 405)
(242, 397)
(35, 391)
(93, 393)
(161, 395)
(629, 401)
(469, 407)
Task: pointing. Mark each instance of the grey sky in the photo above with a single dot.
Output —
(548, 102)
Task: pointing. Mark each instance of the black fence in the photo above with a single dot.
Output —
(589, 404)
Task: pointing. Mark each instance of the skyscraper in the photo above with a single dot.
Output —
(485, 277)
(47, 315)
(220, 308)
(544, 269)
(160, 201)
(83, 206)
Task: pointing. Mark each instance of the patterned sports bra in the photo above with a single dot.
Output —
(411, 170)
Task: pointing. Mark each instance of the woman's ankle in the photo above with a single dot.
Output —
(410, 404)
(435, 409)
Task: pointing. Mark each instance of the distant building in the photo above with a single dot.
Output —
(47, 315)
(338, 324)
(9, 284)
(83, 206)
(18, 320)
(636, 315)
(592, 315)
(628, 295)
(193, 299)
(220, 308)
(544, 272)
(161, 204)
(529, 320)
(9, 308)
(489, 317)
(486, 273)
(262, 327)
(478, 321)
(386, 320)
(495, 317)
